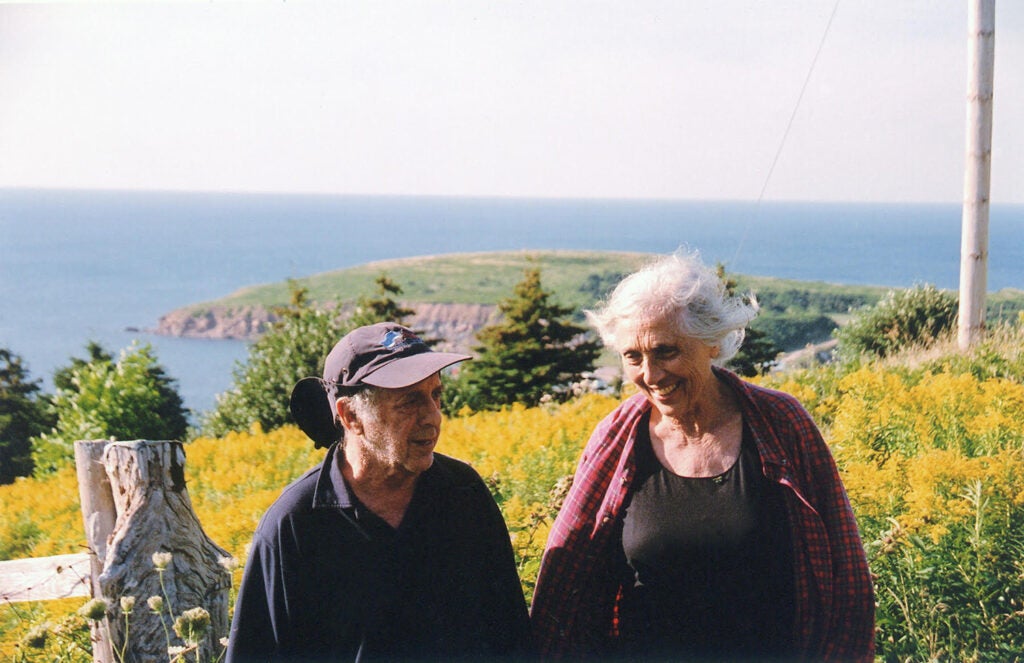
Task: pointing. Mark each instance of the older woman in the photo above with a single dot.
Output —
(706, 519)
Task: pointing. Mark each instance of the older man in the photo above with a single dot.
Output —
(387, 550)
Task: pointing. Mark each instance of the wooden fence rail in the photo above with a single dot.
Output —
(44, 578)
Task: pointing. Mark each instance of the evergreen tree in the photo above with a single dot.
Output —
(382, 307)
(758, 352)
(22, 417)
(534, 350)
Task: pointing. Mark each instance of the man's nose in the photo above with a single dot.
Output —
(431, 413)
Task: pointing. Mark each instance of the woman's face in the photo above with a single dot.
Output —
(672, 370)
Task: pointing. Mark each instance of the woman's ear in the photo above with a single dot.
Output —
(715, 351)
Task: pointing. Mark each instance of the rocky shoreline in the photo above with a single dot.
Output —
(455, 324)
(216, 322)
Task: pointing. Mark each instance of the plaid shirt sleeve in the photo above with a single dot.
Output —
(835, 596)
(573, 607)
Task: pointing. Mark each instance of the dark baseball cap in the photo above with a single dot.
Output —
(385, 355)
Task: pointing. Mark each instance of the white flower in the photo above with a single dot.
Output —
(229, 563)
(161, 560)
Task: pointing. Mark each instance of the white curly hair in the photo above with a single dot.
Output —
(680, 287)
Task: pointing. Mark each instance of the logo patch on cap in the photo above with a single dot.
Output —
(399, 338)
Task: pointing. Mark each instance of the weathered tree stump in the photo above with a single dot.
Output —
(154, 515)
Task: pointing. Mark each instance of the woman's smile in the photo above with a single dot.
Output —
(663, 391)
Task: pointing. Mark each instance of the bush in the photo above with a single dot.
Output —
(932, 465)
(130, 399)
(793, 331)
(904, 318)
(294, 348)
(1000, 354)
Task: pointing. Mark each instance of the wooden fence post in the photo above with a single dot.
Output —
(146, 484)
(98, 515)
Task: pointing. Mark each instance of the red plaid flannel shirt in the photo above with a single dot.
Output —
(575, 600)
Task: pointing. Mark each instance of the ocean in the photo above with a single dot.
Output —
(91, 265)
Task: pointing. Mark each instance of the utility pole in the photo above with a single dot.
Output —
(981, 30)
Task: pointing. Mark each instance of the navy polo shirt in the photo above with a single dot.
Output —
(327, 579)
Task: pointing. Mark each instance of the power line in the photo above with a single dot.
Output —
(789, 126)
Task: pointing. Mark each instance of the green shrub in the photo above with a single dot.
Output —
(130, 399)
(918, 316)
(793, 331)
(294, 348)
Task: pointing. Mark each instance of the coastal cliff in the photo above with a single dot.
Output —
(455, 324)
(216, 322)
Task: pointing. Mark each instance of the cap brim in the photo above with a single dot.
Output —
(409, 370)
(311, 409)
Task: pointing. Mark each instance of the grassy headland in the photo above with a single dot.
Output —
(794, 313)
(458, 278)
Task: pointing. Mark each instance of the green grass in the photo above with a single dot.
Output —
(467, 278)
(578, 278)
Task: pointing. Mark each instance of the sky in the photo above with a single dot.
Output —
(856, 100)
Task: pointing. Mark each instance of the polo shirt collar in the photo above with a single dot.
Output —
(331, 490)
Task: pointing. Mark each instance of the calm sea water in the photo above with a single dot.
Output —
(76, 265)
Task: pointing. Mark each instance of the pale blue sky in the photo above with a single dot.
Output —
(538, 98)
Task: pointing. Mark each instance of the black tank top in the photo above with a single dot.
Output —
(710, 561)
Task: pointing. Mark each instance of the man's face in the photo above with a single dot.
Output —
(402, 429)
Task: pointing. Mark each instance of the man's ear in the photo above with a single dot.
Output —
(347, 416)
